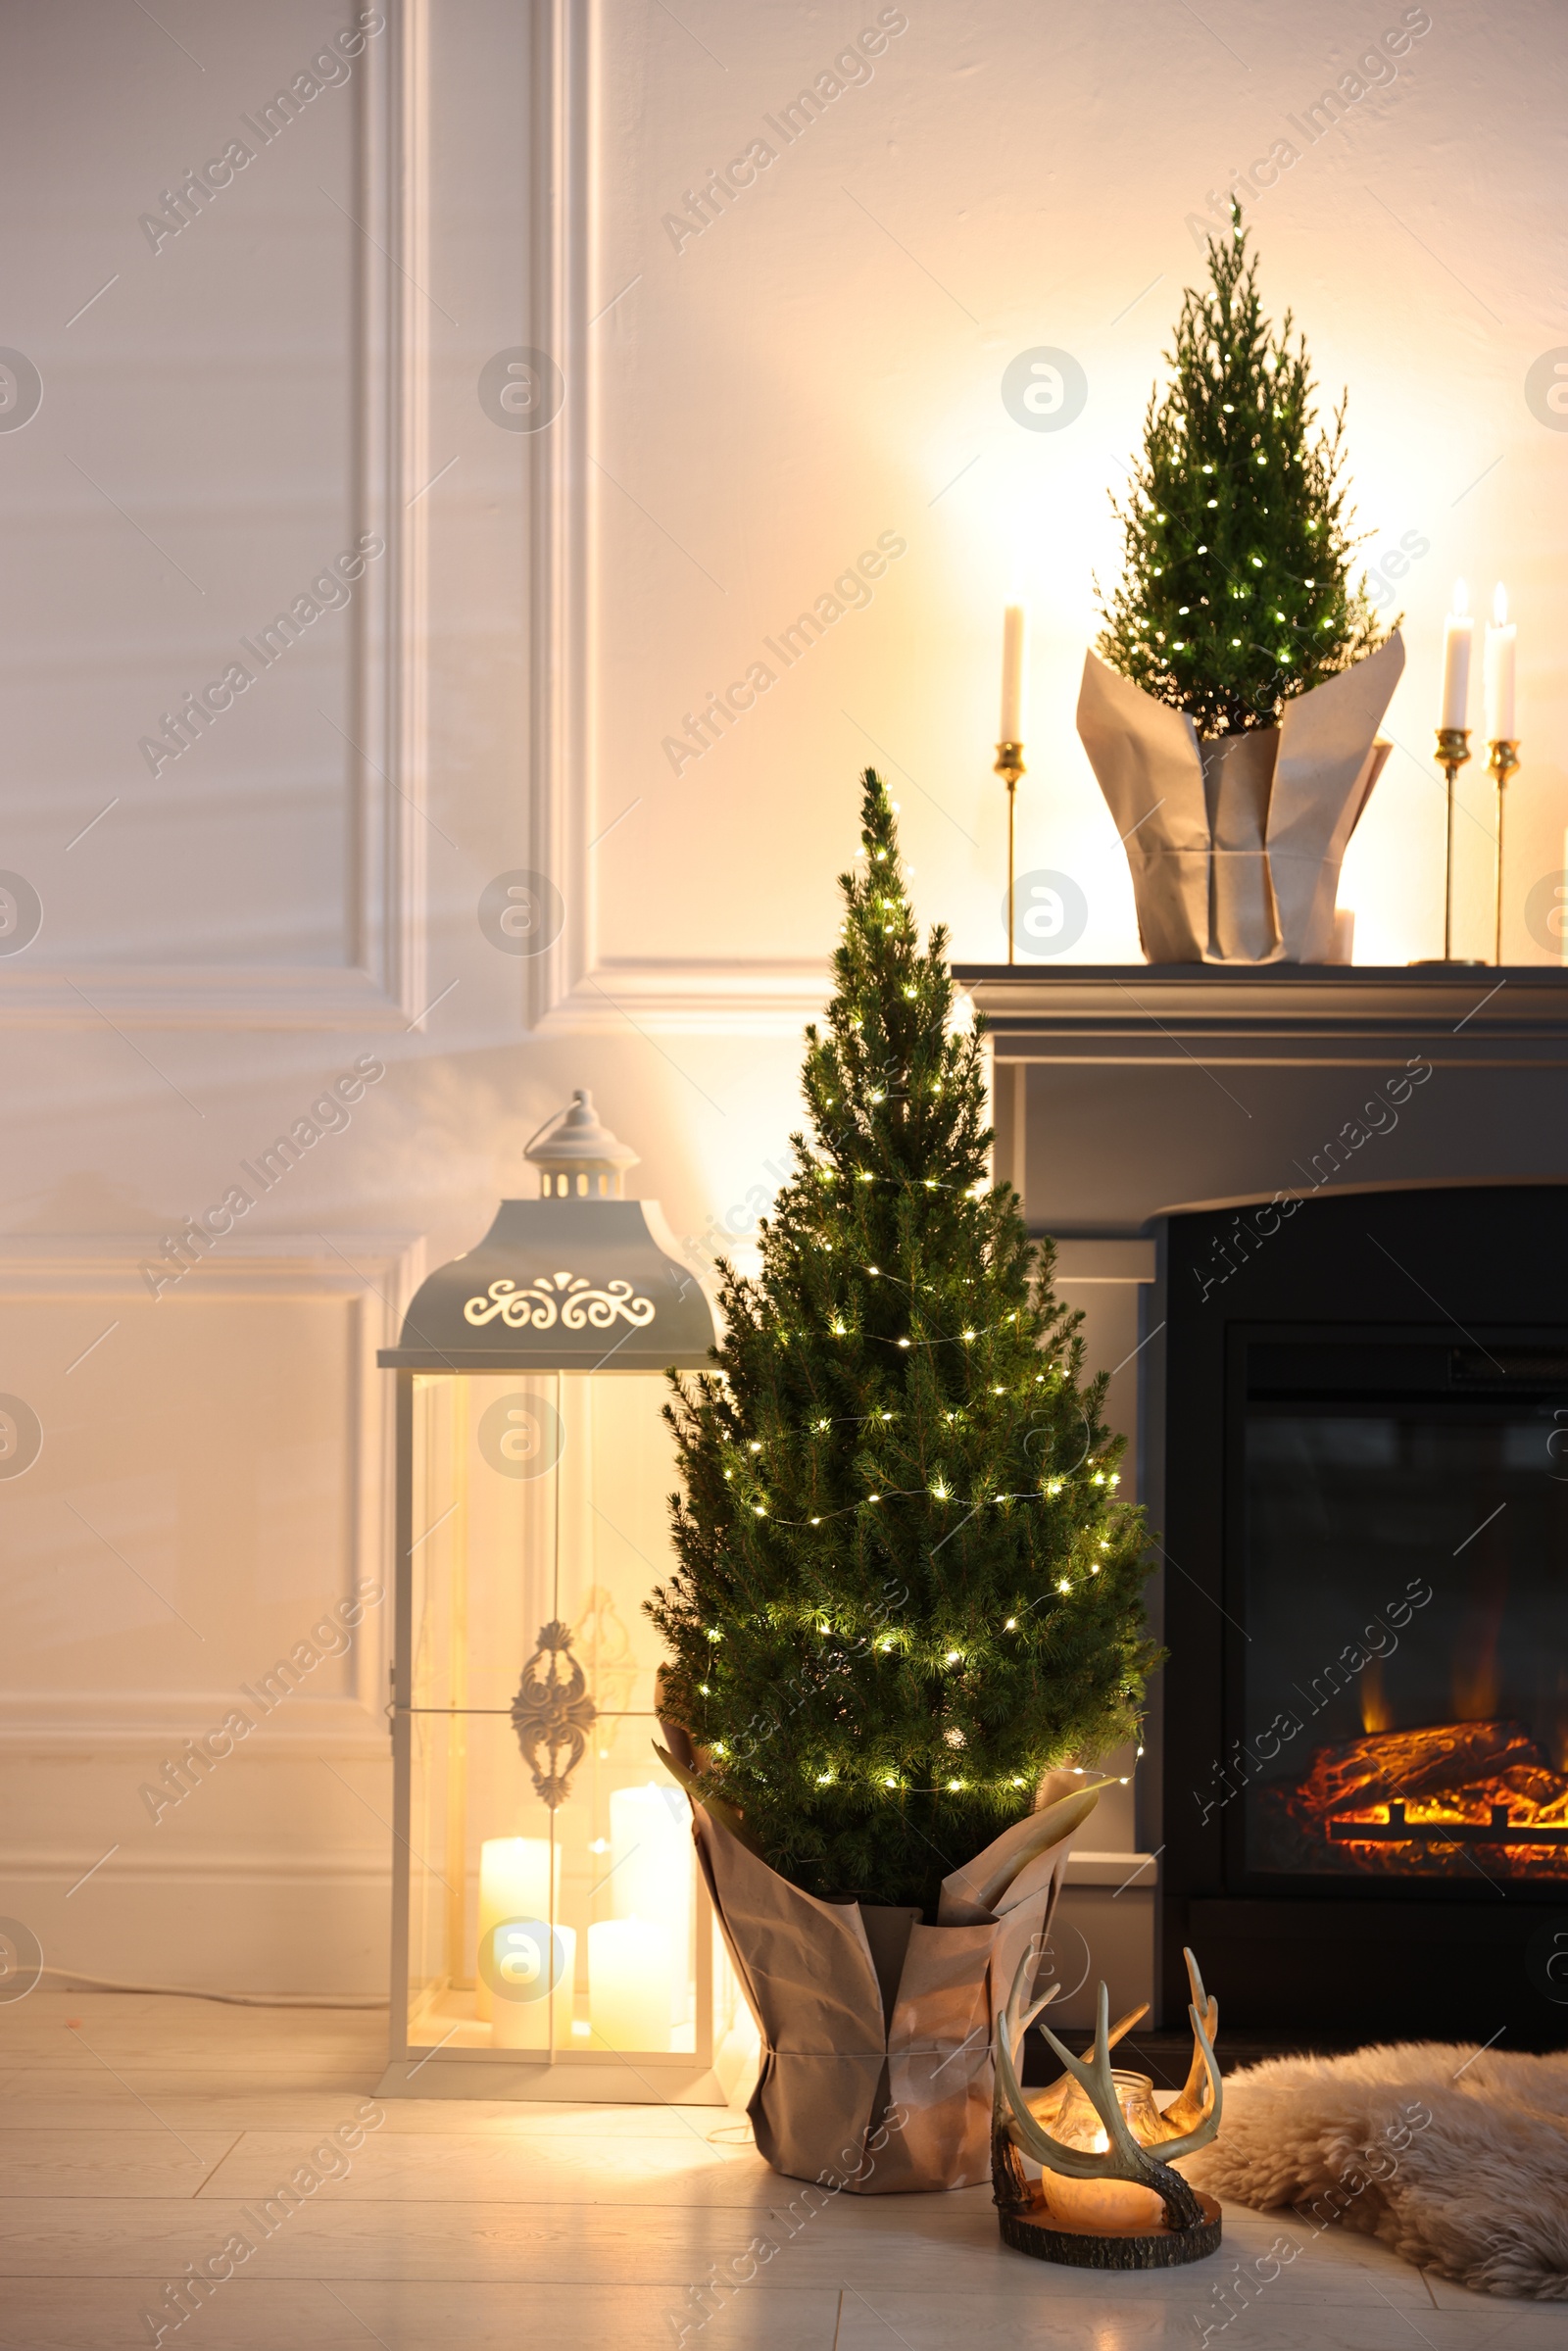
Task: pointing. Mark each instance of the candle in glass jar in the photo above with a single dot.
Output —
(1501, 643)
(630, 1984)
(1106, 2203)
(1014, 662)
(1457, 633)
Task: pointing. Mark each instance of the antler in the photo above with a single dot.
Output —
(1207, 2110)
(1010, 2186)
(1201, 2091)
(1122, 2158)
(1045, 2102)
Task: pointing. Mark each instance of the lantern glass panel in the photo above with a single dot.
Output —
(569, 1935)
(554, 1911)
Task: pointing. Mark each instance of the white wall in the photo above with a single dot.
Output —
(742, 418)
(825, 360)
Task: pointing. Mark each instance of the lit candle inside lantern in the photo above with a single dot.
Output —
(515, 1883)
(650, 1872)
(1457, 633)
(1502, 645)
(1014, 664)
(630, 1984)
(524, 2023)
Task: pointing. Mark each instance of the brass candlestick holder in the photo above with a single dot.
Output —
(1453, 749)
(1503, 758)
(1009, 766)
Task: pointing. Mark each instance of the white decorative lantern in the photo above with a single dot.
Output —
(550, 1936)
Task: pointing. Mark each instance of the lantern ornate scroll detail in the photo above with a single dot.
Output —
(552, 1714)
(1191, 2221)
(569, 1297)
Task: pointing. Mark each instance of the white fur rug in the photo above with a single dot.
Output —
(1455, 2158)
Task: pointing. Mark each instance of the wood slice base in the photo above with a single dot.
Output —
(1091, 2248)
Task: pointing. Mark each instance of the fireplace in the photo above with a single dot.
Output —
(1366, 1529)
(1427, 1477)
(1340, 1383)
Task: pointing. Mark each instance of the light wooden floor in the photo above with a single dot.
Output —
(133, 2141)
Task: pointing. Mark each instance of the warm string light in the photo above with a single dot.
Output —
(866, 1175)
(907, 1494)
(939, 1492)
(947, 1659)
(842, 1330)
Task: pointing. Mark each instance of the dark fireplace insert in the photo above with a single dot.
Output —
(1365, 1755)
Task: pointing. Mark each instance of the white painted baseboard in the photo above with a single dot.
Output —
(241, 1921)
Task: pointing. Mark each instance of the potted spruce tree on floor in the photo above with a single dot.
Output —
(907, 1590)
(1231, 708)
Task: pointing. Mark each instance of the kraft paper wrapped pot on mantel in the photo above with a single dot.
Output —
(876, 2069)
(1235, 844)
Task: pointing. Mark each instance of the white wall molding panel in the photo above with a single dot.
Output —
(199, 1599)
(580, 987)
(256, 575)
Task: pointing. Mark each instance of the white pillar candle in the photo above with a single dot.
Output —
(650, 1872)
(1457, 633)
(1502, 645)
(515, 1883)
(1014, 667)
(630, 1982)
(525, 2024)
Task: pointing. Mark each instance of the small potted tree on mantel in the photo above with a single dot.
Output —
(1231, 715)
(908, 1589)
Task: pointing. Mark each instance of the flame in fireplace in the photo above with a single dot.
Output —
(1376, 1712)
(1475, 1680)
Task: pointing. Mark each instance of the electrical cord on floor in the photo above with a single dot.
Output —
(72, 1980)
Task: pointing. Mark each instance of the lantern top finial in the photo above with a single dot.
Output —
(579, 1158)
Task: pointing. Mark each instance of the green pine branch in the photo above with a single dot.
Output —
(1236, 589)
(907, 1586)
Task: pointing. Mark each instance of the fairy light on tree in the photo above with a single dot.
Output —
(1236, 585)
(917, 1469)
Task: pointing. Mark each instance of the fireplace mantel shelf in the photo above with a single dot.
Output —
(1272, 1014)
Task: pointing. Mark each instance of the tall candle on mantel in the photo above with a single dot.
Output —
(1458, 630)
(1014, 667)
(1501, 644)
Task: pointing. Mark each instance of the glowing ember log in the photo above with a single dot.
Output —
(1407, 1803)
(1500, 1829)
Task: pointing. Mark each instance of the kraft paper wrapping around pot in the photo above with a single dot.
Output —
(875, 2077)
(1235, 844)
